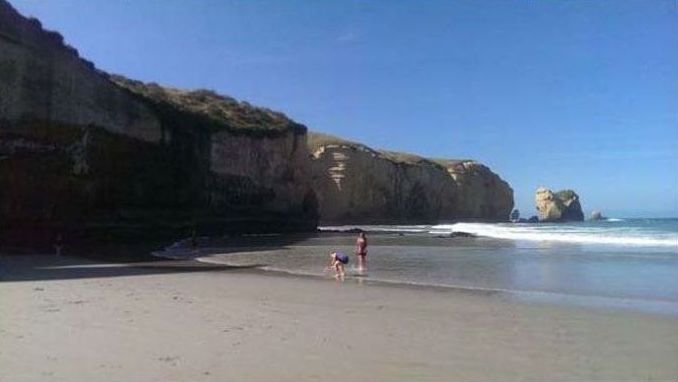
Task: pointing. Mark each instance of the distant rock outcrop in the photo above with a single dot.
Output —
(357, 184)
(81, 148)
(597, 215)
(558, 207)
(515, 216)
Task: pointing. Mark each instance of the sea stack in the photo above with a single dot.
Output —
(597, 215)
(560, 206)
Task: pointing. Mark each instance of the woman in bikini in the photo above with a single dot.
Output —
(361, 251)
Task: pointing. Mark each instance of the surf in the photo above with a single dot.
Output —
(565, 233)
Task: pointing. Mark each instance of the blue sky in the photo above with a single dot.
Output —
(577, 94)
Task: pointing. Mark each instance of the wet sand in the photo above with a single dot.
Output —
(72, 319)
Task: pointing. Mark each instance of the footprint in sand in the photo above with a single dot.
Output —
(233, 328)
(169, 359)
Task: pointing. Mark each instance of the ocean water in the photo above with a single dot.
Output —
(623, 263)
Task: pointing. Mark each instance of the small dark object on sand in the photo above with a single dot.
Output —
(462, 234)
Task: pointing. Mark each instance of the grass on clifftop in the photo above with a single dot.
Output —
(565, 194)
(317, 140)
(450, 162)
(226, 112)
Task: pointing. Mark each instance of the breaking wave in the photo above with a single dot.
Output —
(569, 233)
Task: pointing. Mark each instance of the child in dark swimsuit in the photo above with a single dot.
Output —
(337, 261)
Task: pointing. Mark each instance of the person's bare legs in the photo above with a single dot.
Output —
(337, 265)
(339, 268)
(340, 271)
(362, 263)
(333, 261)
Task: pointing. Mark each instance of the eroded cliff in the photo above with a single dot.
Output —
(558, 206)
(357, 184)
(481, 194)
(80, 148)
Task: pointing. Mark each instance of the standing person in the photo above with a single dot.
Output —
(59, 244)
(361, 251)
(194, 239)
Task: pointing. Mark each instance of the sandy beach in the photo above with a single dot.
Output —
(73, 319)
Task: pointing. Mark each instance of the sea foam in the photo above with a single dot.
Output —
(564, 233)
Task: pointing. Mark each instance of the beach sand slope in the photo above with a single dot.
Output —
(71, 319)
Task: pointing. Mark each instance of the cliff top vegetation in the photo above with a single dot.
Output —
(566, 194)
(317, 140)
(222, 111)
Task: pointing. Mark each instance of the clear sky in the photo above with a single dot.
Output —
(576, 94)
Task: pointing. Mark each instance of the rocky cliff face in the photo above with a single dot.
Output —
(356, 184)
(482, 194)
(559, 206)
(79, 148)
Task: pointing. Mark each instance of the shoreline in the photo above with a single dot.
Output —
(178, 320)
(660, 307)
(606, 303)
(265, 253)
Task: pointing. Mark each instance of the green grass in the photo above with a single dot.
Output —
(317, 140)
(565, 194)
(216, 111)
(450, 162)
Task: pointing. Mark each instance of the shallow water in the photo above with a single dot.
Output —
(639, 276)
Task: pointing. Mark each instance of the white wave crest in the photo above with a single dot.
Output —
(566, 234)
(378, 228)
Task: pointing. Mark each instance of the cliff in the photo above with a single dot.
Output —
(357, 184)
(80, 148)
(560, 206)
(481, 194)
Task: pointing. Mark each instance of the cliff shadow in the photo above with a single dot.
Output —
(14, 268)
(115, 259)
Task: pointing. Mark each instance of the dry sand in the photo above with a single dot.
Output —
(68, 319)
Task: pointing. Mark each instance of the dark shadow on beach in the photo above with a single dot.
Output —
(50, 267)
(97, 259)
(119, 260)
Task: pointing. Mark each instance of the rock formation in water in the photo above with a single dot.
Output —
(515, 216)
(558, 207)
(357, 184)
(597, 215)
(80, 148)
